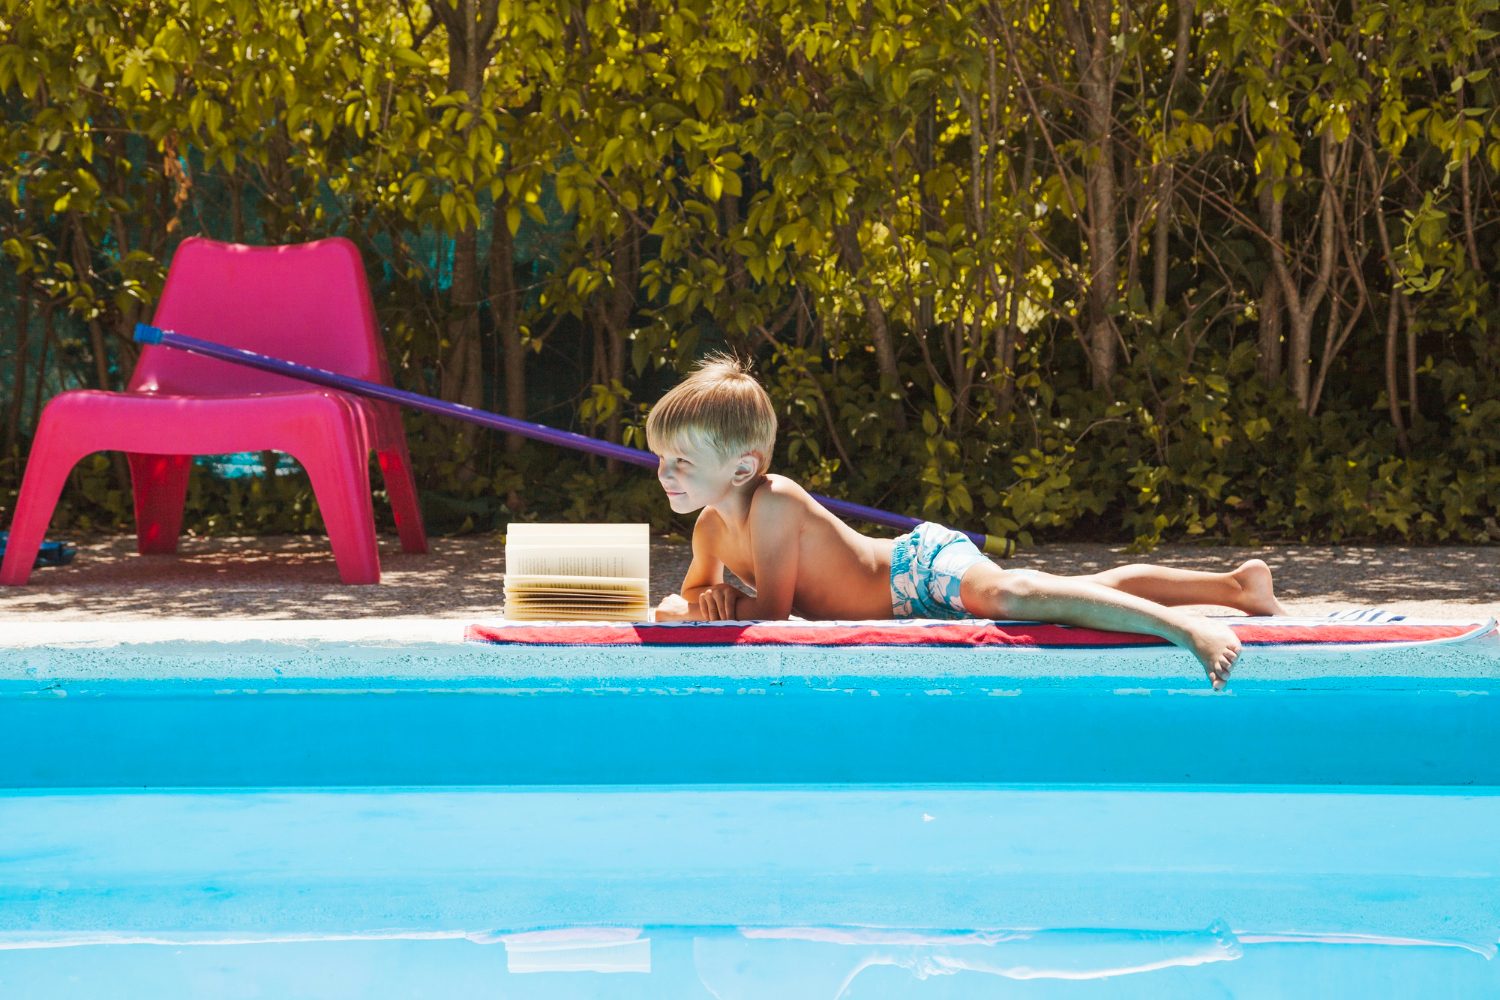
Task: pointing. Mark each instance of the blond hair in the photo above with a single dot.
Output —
(719, 405)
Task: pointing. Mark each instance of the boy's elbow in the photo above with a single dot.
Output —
(758, 608)
(673, 608)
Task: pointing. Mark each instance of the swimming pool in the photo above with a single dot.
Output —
(403, 818)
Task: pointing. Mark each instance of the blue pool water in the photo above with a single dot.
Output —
(714, 891)
(727, 836)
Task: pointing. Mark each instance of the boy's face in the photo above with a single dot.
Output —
(696, 475)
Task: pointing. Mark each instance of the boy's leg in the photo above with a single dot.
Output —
(989, 591)
(1247, 588)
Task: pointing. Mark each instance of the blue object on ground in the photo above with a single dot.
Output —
(50, 554)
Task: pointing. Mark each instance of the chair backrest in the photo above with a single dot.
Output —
(306, 302)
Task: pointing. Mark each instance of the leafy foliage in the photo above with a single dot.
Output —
(1146, 270)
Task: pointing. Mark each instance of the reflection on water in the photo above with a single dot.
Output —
(747, 963)
(796, 962)
(807, 962)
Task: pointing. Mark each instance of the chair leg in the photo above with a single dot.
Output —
(46, 471)
(395, 468)
(160, 485)
(339, 469)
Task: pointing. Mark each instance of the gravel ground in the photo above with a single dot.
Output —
(294, 578)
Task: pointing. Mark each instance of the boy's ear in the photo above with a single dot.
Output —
(746, 467)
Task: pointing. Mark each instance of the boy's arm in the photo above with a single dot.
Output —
(704, 572)
(706, 568)
(776, 526)
(776, 523)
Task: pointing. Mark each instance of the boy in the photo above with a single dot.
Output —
(714, 434)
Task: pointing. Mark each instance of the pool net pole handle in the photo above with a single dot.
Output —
(152, 335)
(146, 334)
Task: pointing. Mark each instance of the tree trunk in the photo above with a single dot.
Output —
(18, 368)
(1466, 203)
(1160, 236)
(98, 346)
(626, 269)
(237, 209)
(1408, 314)
(1302, 309)
(1392, 386)
(83, 268)
(1268, 357)
(1101, 337)
(469, 24)
(925, 161)
(505, 315)
(49, 330)
(1335, 336)
(611, 313)
(1008, 340)
(880, 331)
(1394, 310)
(1299, 340)
(462, 380)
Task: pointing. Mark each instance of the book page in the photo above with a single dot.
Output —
(577, 572)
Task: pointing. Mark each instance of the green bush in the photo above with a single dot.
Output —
(1225, 278)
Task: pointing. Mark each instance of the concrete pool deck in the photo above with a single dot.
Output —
(258, 601)
(293, 578)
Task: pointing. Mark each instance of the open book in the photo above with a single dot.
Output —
(577, 572)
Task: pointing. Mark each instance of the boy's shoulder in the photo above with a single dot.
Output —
(779, 493)
(778, 513)
(776, 499)
(781, 501)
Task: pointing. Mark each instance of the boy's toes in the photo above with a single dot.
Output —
(1220, 666)
(1216, 647)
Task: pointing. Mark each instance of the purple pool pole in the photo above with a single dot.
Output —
(147, 334)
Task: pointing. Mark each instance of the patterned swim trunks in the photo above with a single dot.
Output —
(927, 564)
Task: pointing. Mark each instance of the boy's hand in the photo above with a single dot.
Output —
(717, 603)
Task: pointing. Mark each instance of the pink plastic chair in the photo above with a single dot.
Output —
(307, 303)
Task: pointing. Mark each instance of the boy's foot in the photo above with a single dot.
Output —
(1257, 593)
(1216, 647)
